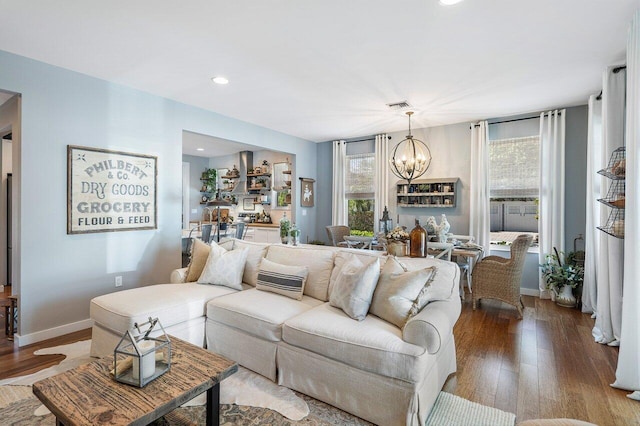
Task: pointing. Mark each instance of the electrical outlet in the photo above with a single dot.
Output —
(194, 211)
(119, 281)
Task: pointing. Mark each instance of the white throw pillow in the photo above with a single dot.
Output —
(400, 295)
(354, 286)
(282, 279)
(224, 267)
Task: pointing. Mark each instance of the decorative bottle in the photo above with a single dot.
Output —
(294, 233)
(418, 241)
(285, 226)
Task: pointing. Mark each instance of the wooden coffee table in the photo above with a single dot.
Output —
(88, 394)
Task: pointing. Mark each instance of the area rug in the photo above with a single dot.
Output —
(249, 399)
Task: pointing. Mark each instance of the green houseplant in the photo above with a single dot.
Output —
(563, 276)
(209, 177)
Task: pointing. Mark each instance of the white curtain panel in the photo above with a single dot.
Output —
(593, 219)
(381, 184)
(628, 371)
(611, 255)
(551, 224)
(339, 203)
(479, 223)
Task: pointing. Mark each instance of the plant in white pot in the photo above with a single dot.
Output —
(562, 277)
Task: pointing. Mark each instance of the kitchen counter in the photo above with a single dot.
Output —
(263, 225)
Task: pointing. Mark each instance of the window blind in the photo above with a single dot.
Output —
(514, 167)
(359, 179)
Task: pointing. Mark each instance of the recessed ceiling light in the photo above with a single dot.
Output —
(199, 149)
(449, 2)
(220, 80)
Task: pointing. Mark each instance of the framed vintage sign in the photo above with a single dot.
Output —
(110, 190)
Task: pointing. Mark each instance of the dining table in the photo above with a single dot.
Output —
(359, 241)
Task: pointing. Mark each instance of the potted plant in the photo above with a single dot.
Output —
(209, 177)
(397, 241)
(563, 276)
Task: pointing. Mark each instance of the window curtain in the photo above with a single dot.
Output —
(339, 204)
(628, 370)
(479, 223)
(609, 268)
(551, 225)
(381, 182)
(593, 218)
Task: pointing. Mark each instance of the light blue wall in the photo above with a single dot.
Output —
(60, 272)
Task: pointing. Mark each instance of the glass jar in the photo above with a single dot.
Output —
(418, 241)
(285, 227)
(294, 235)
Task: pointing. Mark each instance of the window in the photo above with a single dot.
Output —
(359, 191)
(514, 182)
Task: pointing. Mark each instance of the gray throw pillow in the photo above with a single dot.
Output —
(399, 295)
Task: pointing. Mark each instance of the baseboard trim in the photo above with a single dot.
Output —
(529, 292)
(38, 336)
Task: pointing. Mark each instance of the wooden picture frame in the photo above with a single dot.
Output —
(307, 192)
(110, 191)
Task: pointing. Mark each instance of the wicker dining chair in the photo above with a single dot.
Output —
(336, 235)
(496, 277)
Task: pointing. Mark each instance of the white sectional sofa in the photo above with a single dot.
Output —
(372, 368)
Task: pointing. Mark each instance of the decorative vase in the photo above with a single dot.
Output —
(418, 241)
(565, 297)
(285, 226)
(397, 248)
(294, 233)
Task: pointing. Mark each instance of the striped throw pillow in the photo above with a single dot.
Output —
(282, 279)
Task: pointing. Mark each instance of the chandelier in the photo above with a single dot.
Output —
(410, 158)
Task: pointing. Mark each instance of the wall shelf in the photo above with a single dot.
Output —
(436, 193)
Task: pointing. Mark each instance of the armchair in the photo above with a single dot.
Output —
(336, 235)
(495, 277)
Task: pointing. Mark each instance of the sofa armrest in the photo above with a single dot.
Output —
(178, 276)
(433, 325)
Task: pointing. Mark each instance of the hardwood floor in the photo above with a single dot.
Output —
(546, 365)
(543, 366)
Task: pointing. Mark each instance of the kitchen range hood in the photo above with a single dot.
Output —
(245, 162)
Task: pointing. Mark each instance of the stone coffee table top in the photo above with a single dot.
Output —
(88, 394)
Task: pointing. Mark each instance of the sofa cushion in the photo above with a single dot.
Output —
(170, 303)
(354, 286)
(282, 279)
(224, 267)
(396, 296)
(257, 251)
(199, 255)
(319, 262)
(343, 255)
(372, 345)
(256, 312)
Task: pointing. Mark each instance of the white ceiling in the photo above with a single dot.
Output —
(212, 146)
(324, 70)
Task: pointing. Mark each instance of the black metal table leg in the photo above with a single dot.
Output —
(213, 406)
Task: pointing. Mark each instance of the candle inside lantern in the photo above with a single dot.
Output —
(148, 367)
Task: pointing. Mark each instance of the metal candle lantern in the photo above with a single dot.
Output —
(138, 358)
(386, 224)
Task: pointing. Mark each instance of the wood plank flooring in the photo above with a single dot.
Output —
(543, 366)
(546, 365)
